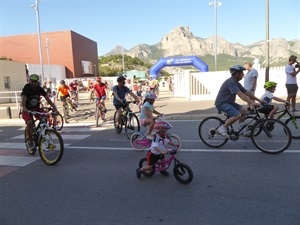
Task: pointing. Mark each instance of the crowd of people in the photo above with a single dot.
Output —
(146, 94)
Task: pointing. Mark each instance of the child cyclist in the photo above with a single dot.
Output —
(146, 116)
(268, 96)
(157, 149)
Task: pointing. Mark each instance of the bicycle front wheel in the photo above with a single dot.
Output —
(293, 124)
(51, 147)
(132, 125)
(183, 173)
(275, 137)
(118, 129)
(208, 132)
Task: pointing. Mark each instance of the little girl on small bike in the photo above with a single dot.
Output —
(146, 115)
(157, 149)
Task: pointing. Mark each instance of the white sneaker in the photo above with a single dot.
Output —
(223, 131)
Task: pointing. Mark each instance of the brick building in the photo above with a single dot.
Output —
(77, 53)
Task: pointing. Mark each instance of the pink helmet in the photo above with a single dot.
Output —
(162, 125)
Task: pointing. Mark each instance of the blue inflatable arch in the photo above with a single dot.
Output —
(177, 61)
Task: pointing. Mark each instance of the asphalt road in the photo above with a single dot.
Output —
(95, 183)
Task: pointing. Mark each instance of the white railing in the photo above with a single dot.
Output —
(11, 96)
(205, 85)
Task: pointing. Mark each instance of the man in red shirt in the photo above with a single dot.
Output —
(100, 92)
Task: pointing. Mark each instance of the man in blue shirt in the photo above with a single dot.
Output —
(119, 92)
(226, 98)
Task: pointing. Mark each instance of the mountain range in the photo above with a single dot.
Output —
(181, 42)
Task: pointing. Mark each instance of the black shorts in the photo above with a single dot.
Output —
(266, 109)
(152, 158)
(291, 89)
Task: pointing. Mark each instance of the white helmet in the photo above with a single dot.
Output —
(150, 95)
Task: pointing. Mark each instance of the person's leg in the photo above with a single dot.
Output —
(273, 111)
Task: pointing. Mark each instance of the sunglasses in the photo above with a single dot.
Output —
(34, 81)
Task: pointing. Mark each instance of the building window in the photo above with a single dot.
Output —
(6, 82)
(87, 67)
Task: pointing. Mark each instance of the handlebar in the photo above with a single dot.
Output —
(41, 113)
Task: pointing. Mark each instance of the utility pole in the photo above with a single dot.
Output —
(267, 42)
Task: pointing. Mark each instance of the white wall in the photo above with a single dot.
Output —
(186, 82)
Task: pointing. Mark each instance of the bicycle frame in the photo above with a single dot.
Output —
(165, 163)
(234, 134)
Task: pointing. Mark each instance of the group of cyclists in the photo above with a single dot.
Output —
(225, 102)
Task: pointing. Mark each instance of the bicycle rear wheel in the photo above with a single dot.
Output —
(208, 132)
(51, 147)
(275, 137)
(119, 128)
(294, 126)
(175, 139)
(132, 125)
(146, 173)
(139, 142)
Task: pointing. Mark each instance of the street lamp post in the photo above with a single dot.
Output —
(215, 4)
(35, 6)
(48, 57)
(123, 60)
(267, 42)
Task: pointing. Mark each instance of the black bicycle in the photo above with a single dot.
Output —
(268, 135)
(128, 119)
(47, 140)
(292, 121)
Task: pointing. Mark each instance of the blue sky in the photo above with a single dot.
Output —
(132, 22)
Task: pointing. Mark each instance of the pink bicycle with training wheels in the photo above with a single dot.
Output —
(139, 140)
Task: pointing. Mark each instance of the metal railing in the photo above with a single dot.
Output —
(12, 96)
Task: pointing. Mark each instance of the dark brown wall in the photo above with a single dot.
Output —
(66, 48)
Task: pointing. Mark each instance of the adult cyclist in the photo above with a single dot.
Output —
(63, 91)
(100, 92)
(30, 101)
(226, 99)
(119, 92)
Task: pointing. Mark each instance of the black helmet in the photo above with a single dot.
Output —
(235, 68)
(121, 78)
(62, 82)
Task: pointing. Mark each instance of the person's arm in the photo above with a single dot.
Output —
(254, 84)
(50, 103)
(134, 96)
(251, 98)
(23, 103)
(295, 72)
(159, 150)
(280, 100)
(157, 113)
(117, 97)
